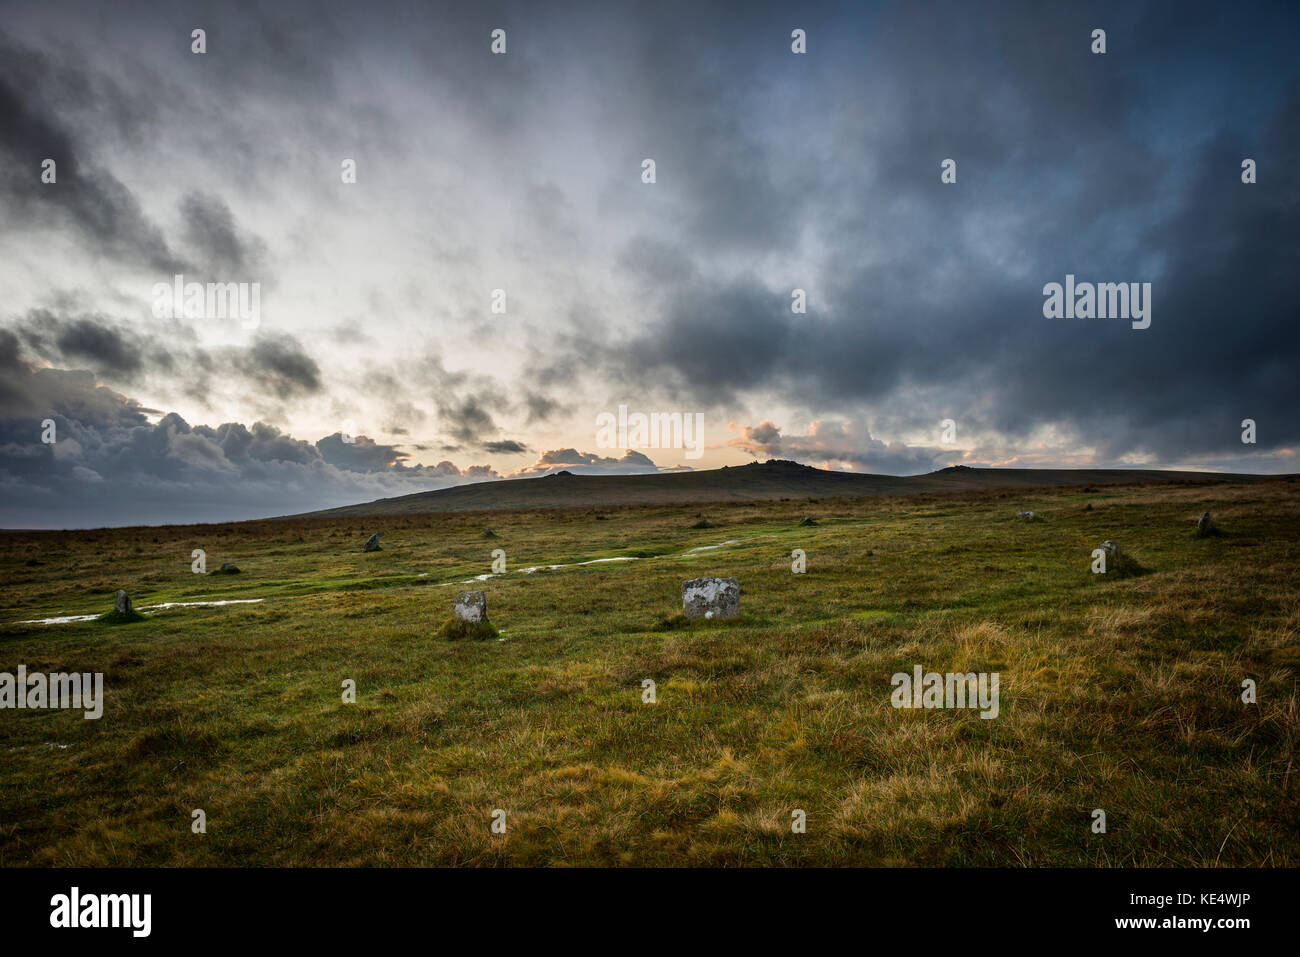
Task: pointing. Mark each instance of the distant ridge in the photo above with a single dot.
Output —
(757, 481)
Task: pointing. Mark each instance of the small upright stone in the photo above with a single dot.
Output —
(711, 598)
(471, 606)
(1204, 526)
(1112, 552)
(808, 520)
(122, 603)
(372, 543)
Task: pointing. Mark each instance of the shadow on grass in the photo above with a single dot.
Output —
(679, 622)
(1125, 566)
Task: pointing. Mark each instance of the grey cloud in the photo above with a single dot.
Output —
(540, 407)
(403, 416)
(361, 454)
(588, 463)
(115, 349)
(120, 351)
(467, 418)
(110, 465)
(278, 364)
(841, 445)
(210, 227)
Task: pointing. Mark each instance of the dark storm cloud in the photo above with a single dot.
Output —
(278, 364)
(467, 418)
(540, 407)
(505, 447)
(87, 339)
(713, 342)
(114, 349)
(275, 366)
(29, 395)
(359, 453)
(85, 197)
(110, 465)
(690, 81)
(928, 300)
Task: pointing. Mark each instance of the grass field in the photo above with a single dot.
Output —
(1118, 694)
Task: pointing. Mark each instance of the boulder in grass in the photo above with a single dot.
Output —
(808, 520)
(372, 543)
(1026, 516)
(471, 606)
(469, 619)
(711, 598)
(228, 568)
(1204, 526)
(1112, 552)
(122, 612)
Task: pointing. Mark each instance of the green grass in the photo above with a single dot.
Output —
(455, 629)
(1116, 693)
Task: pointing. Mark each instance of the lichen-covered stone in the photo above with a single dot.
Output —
(471, 606)
(711, 598)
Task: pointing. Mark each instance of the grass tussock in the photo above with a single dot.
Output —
(455, 629)
(116, 617)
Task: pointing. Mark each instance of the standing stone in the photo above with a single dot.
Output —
(372, 543)
(711, 598)
(1112, 553)
(471, 606)
(1203, 525)
(121, 603)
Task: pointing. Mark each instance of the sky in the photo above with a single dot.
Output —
(500, 273)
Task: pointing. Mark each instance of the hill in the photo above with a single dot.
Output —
(759, 481)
